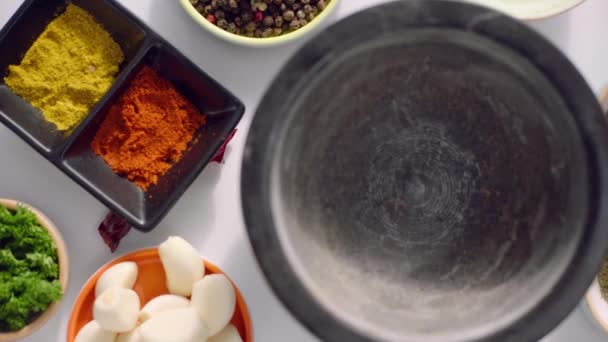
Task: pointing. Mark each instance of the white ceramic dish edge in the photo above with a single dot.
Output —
(530, 10)
(597, 305)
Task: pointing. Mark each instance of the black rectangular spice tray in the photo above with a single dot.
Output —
(72, 154)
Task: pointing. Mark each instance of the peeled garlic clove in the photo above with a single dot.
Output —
(117, 309)
(182, 264)
(228, 334)
(214, 298)
(122, 275)
(179, 325)
(131, 336)
(160, 304)
(93, 332)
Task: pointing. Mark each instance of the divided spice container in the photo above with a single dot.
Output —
(71, 151)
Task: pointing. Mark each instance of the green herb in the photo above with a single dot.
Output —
(29, 272)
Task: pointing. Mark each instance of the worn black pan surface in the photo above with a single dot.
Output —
(428, 171)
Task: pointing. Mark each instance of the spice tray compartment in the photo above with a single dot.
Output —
(21, 31)
(145, 209)
(72, 152)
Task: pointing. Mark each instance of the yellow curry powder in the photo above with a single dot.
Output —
(68, 68)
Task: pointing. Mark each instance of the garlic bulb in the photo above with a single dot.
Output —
(214, 298)
(117, 309)
(162, 303)
(179, 325)
(122, 275)
(182, 264)
(93, 332)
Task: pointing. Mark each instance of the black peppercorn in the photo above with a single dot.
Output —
(222, 23)
(294, 24)
(251, 26)
(259, 6)
(247, 17)
(278, 21)
(268, 21)
(289, 15)
(267, 33)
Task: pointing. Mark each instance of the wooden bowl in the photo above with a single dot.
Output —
(150, 283)
(63, 272)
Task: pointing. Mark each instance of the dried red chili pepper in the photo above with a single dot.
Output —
(219, 155)
(112, 229)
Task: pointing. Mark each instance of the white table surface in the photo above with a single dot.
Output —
(209, 213)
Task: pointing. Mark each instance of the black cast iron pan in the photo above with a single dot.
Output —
(428, 171)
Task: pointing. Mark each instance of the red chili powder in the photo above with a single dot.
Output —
(147, 130)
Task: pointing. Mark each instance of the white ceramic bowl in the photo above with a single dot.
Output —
(530, 9)
(597, 305)
(259, 42)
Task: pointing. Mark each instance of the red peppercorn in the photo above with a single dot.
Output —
(211, 18)
(258, 16)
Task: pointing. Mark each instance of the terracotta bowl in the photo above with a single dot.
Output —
(63, 272)
(150, 283)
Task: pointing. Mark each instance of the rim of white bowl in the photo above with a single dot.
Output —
(258, 42)
(597, 305)
(536, 12)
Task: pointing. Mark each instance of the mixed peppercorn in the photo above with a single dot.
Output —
(260, 18)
